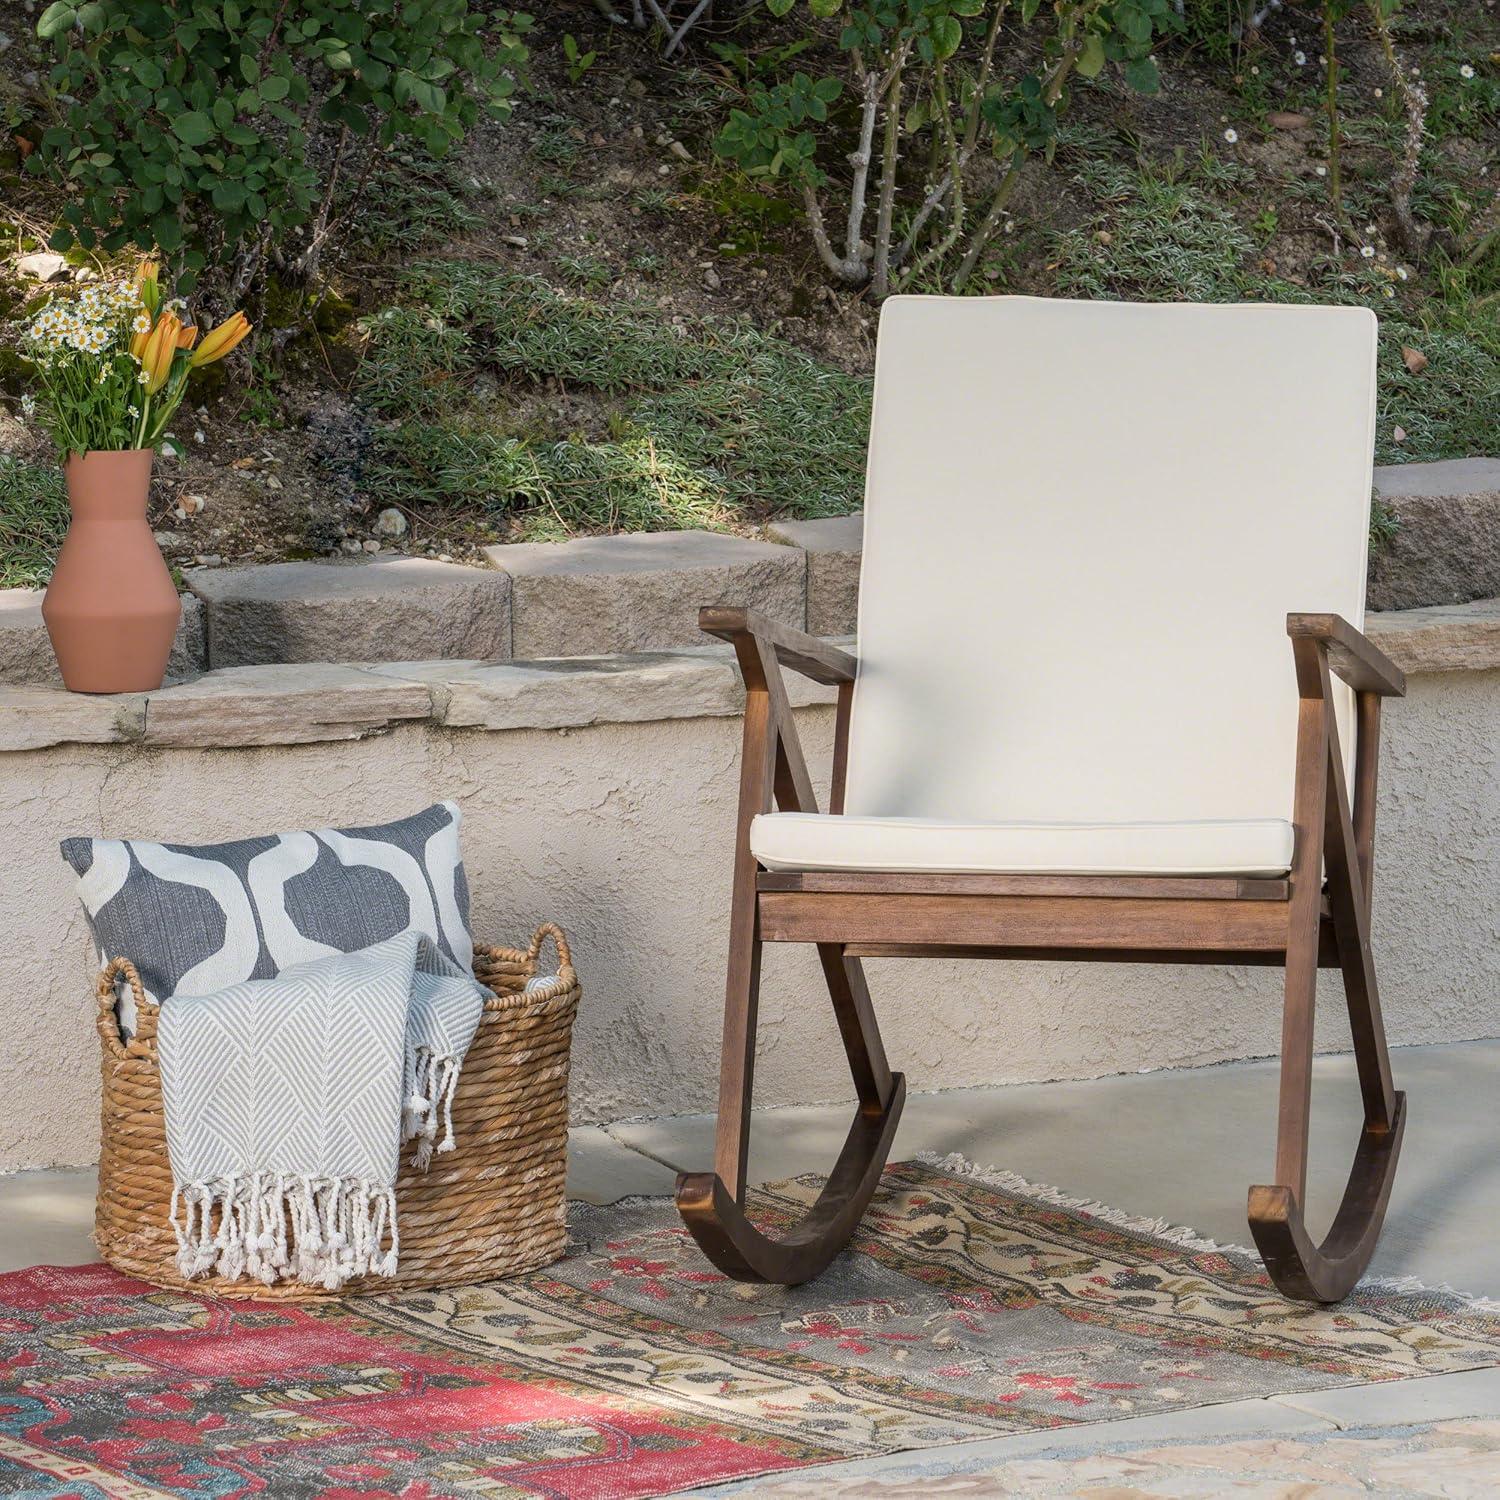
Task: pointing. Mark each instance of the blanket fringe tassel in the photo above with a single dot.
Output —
(428, 1090)
(276, 1226)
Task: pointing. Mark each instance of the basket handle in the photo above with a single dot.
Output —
(559, 941)
(105, 992)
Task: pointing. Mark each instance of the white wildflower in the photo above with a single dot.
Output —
(1300, 58)
(1368, 251)
(28, 405)
(1466, 71)
(1231, 135)
(1402, 272)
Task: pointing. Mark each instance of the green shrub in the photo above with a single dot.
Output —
(33, 521)
(217, 129)
(925, 80)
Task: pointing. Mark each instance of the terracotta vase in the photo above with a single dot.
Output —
(111, 608)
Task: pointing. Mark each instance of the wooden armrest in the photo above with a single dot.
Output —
(1351, 654)
(795, 649)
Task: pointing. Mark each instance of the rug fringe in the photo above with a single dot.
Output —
(958, 1165)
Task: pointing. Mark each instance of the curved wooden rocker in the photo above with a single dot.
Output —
(1110, 731)
(772, 767)
(1301, 1269)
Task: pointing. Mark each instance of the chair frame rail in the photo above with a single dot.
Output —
(1318, 917)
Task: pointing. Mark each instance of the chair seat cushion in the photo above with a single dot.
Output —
(815, 841)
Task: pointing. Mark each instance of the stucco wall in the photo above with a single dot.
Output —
(621, 832)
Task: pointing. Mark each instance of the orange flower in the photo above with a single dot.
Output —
(217, 342)
(142, 337)
(148, 279)
(188, 336)
(161, 347)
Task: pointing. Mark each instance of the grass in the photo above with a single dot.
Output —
(1167, 240)
(33, 521)
(694, 422)
(409, 202)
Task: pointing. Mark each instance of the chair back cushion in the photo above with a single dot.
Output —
(1085, 524)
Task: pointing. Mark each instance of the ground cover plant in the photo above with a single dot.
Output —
(603, 313)
(696, 416)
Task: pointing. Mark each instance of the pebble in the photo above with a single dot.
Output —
(272, 482)
(390, 523)
(45, 265)
(350, 546)
(372, 546)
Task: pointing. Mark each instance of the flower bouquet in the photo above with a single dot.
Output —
(112, 363)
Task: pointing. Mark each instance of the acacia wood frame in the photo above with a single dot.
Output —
(1319, 916)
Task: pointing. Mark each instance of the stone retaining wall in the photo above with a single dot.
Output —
(637, 592)
(600, 793)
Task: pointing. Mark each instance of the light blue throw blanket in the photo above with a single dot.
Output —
(287, 1101)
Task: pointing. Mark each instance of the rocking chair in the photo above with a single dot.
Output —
(1071, 732)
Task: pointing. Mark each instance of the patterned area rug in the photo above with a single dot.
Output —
(967, 1309)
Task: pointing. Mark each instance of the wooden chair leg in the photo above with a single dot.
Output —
(712, 1203)
(1303, 1270)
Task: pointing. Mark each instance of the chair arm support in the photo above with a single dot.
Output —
(1351, 654)
(794, 649)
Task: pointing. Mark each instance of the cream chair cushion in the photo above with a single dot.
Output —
(1085, 524)
(799, 841)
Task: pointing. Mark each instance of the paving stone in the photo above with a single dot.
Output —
(1446, 547)
(47, 1218)
(571, 693)
(26, 652)
(396, 608)
(282, 705)
(601, 1170)
(1434, 1398)
(834, 547)
(33, 717)
(595, 595)
(1444, 638)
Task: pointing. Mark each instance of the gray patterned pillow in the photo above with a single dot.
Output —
(195, 919)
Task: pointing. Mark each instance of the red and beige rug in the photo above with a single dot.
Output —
(971, 1306)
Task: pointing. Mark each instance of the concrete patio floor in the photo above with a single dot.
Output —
(1182, 1145)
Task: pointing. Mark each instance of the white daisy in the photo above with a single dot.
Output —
(1231, 135)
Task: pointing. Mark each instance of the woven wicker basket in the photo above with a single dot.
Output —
(494, 1207)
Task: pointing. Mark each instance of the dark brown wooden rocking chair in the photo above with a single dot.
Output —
(1071, 733)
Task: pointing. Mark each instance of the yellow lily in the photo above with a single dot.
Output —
(148, 278)
(161, 347)
(217, 342)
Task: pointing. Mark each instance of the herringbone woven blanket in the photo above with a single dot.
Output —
(287, 1101)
